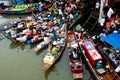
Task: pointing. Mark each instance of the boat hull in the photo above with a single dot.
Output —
(47, 66)
(77, 72)
(24, 11)
(102, 73)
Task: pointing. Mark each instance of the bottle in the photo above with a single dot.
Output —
(99, 64)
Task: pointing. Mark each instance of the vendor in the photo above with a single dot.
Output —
(54, 50)
(74, 54)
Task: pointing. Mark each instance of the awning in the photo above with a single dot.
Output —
(6, 25)
(113, 39)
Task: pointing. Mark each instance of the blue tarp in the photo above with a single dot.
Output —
(113, 39)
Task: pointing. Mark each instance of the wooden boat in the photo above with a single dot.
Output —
(49, 58)
(75, 63)
(101, 71)
(4, 27)
(110, 53)
(24, 8)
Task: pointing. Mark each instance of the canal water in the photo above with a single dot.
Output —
(20, 62)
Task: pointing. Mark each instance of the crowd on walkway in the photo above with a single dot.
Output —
(110, 22)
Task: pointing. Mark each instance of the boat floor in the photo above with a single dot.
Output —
(109, 76)
(77, 75)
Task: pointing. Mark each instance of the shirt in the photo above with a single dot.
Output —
(110, 12)
(97, 5)
(75, 55)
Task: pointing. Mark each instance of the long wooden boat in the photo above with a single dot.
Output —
(49, 58)
(24, 8)
(98, 64)
(75, 63)
(7, 36)
(110, 53)
(18, 33)
(3, 29)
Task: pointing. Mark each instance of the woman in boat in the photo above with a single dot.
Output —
(54, 51)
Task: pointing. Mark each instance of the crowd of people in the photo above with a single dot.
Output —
(55, 17)
(110, 22)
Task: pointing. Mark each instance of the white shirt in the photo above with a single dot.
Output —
(97, 5)
(60, 12)
(46, 39)
(110, 12)
(71, 16)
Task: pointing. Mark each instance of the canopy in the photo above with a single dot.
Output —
(113, 39)
(6, 25)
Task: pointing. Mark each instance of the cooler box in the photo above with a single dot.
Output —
(49, 59)
(92, 53)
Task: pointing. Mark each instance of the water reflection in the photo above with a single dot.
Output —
(40, 51)
(15, 45)
(52, 69)
(33, 45)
